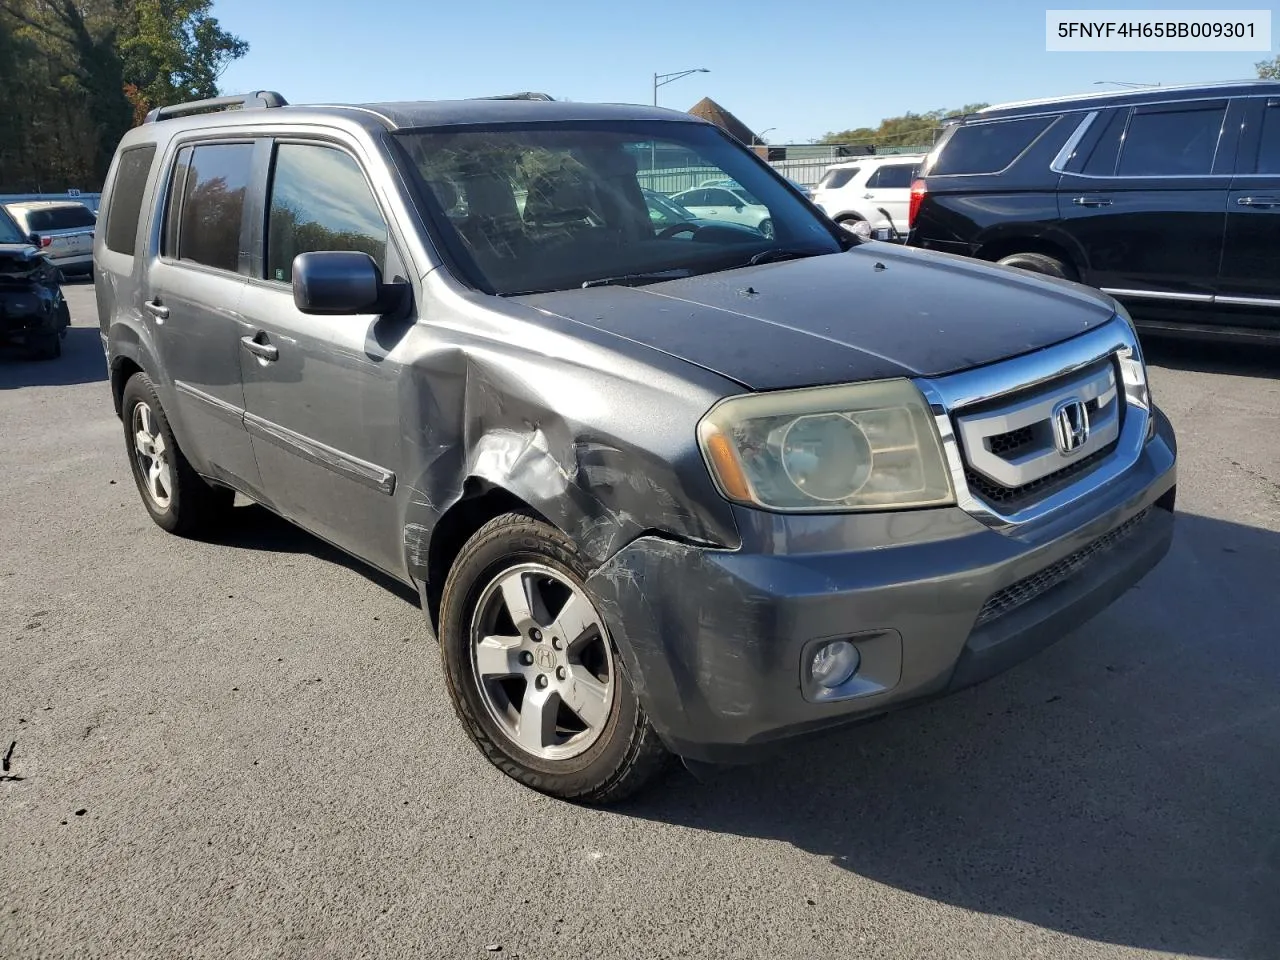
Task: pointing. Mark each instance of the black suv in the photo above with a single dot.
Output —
(1166, 198)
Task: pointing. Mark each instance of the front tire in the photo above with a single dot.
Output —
(1039, 263)
(533, 674)
(178, 499)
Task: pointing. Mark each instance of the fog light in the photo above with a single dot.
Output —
(834, 663)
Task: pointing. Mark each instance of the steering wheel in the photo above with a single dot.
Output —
(666, 233)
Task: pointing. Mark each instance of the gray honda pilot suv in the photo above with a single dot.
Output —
(662, 488)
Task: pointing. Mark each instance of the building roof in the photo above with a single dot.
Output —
(708, 109)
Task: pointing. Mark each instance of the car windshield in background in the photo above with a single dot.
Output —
(9, 231)
(536, 207)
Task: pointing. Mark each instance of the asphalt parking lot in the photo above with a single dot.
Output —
(244, 749)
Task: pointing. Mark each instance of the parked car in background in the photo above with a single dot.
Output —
(62, 229)
(33, 314)
(854, 192)
(729, 204)
(1166, 198)
(700, 495)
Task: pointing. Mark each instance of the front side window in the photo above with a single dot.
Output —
(893, 176)
(837, 178)
(127, 194)
(1171, 142)
(552, 207)
(1269, 145)
(206, 204)
(320, 200)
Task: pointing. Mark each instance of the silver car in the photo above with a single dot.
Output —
(62, 229)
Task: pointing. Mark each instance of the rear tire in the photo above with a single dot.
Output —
(178, 499)
(766, 227)
(532, 671)
(1040, 263)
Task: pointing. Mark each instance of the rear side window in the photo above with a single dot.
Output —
(127, 193)
(894, 176)
(1102, 159)
(319, 201)
(835, 179)
(60, 218)
(206, 204)
(1269, 145)
(1177, 142)
(988, 147)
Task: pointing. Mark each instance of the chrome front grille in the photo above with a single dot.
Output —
(1028, 588)
(1010, 445)
(1003, 436)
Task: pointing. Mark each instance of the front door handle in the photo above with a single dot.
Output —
(157, 310)
(868, 196)
(263, 351)
(1091, 202)
(1258, 201)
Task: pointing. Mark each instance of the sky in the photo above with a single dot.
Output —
(803, 67)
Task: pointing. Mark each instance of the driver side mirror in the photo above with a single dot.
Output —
(737, 208)
(335, 282)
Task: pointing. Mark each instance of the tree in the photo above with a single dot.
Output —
(1269, 69)
(174, 51)
(910, 129)
(78, 73)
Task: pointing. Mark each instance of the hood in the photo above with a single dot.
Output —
(19, 260)
(876, 311)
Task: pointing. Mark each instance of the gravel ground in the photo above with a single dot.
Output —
(244, 749)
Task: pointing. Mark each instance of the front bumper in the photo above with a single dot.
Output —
(714, 640)
(28, 313)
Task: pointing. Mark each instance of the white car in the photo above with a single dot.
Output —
(62, 229)
(852, 192)
(730, 204)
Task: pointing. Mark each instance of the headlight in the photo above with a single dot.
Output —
(869, 446)
(1133, 371)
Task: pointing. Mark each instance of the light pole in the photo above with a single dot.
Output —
(1125, 83)
(759, 137)
(661, 80)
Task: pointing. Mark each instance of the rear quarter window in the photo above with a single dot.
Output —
(988, 147)
(125, 204)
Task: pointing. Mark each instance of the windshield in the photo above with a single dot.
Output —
(537, 207)
(9, 232)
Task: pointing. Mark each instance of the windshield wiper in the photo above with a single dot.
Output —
(637, 279)
(780, 253)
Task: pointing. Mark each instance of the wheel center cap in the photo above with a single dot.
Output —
(545, 658)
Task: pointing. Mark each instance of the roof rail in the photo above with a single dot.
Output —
(259, 98)
(526, 95)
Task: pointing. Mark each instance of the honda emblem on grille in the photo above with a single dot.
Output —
(1070, 426)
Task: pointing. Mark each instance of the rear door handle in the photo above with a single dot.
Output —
(157, 310)
(868, 196)
(1258, 201)
(263, 351)
(1091, 202)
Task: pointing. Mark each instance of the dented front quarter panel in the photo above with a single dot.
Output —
(594, 432)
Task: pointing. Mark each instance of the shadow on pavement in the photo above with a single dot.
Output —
(1203, 356)
(1121, 787)
(82, 361)
(254, 527)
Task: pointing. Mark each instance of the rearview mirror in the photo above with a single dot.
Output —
(336, 282)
